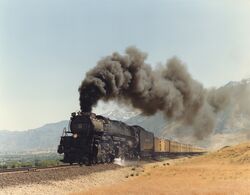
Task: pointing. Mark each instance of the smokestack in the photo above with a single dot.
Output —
(169, 89)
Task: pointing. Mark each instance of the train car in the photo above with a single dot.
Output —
(164, 146)
(179, 147)
(167, 145)
(175, 147)
(146, 142)
(161, 145)
(157, 144)
(184, 148)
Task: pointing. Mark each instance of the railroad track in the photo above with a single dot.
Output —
(33, 169)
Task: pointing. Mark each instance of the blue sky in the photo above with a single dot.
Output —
(46, 47)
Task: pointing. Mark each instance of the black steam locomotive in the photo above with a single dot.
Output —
(94, 139)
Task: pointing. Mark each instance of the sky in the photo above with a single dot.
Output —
(47, 46)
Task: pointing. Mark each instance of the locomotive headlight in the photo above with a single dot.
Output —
(130, 143)
(75, 136)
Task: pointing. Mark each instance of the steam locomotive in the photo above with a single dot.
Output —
(92, 139)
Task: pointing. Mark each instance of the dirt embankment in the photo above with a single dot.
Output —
(226, 171)
(239, 154)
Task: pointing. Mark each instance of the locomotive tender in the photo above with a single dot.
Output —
(92, 139)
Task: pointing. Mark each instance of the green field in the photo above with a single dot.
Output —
(29, 160)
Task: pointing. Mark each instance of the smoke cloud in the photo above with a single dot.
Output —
(170, 89)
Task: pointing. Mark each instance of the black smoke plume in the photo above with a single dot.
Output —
(169, 88)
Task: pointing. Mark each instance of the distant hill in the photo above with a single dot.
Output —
(45, 138)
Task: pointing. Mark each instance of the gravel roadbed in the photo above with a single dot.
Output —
(47, 175)
(75, 184)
